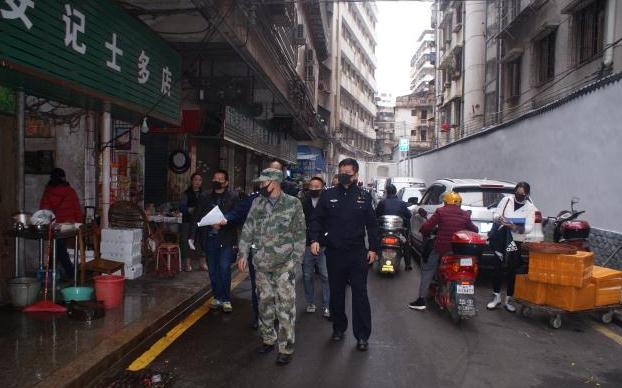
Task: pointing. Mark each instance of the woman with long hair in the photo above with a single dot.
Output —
(189, 201)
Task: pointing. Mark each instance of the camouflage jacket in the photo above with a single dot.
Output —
(276, 233)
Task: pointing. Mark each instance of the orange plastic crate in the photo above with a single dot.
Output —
(608, 284)
(533, 292)
(571, 298)
(560, 269)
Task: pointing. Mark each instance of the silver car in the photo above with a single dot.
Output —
(480, 196)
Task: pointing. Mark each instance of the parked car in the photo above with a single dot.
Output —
(404, 181)
(406, 193)
(481, 197)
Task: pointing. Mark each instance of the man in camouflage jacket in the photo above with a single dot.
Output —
(275, 229)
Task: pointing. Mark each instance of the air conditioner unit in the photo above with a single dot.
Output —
(299, 35)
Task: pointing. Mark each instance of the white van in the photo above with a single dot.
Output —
(401, 182)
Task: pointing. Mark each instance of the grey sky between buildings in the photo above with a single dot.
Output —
(399, 25)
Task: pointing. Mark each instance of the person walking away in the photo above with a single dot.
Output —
(237, 216)
(62, 200)
(189, 201)
(218, 241)
(517, 207)
(275, 226)
(393, 206)
(449, 219)
(343, 215)
(309, 204)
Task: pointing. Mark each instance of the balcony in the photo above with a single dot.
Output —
(349, 23)
(354, 60)
(359, 97)
(514, 12)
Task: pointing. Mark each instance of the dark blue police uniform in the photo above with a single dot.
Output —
(340, 220)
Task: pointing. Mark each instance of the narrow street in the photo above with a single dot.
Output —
(407, 348)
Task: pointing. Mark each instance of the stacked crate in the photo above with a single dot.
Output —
(123, 245)
(569, 281)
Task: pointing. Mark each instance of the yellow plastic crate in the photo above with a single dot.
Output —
(529, 291)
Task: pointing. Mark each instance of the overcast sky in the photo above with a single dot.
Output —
(399, 25)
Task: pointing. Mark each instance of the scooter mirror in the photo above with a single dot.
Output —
(422, 212)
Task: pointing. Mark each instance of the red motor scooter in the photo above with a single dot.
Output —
(568, 229)
(454, 290)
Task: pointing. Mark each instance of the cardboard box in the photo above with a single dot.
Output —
(132, 271)
(533, 292)
(608, 283)
(560, 269)
(571, 298)
(121, 235)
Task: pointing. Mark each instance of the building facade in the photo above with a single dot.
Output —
(352, 68)
(499, 60)
(385, 126)
(423, 62)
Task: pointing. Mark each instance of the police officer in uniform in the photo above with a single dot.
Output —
(342, 216)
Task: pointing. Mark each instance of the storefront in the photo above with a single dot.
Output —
(80, 82)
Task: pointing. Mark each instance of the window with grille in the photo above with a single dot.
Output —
(589, 31)
(513, 80)
(545, 58)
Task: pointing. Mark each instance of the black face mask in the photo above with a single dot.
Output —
(216, 185)
(264, 191)
(315, 193)
(520, 197)
(345, 179)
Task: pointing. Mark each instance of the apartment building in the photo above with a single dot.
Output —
(460, 45)
(501, 59)
(423, 62)
(538, 51)
(412, 113)
(385, 126)
(352, 67)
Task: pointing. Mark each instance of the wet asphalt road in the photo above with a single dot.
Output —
(407, 348)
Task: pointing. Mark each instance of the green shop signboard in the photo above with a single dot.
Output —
(80, 50)
(7, 100)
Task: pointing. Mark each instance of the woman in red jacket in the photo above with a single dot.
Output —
(63, 201)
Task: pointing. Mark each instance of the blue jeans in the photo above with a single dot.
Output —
(254, 299)
(219, 264)
(308, 269)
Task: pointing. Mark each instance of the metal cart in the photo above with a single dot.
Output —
(525, 308)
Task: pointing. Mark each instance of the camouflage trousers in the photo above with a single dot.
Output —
(277, 300)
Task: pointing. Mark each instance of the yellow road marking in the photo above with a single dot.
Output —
(171, 336)
(608, 333)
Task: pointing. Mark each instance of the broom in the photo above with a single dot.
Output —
(45, 305)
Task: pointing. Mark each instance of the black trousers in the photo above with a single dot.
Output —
(349, 265)
(514, 262)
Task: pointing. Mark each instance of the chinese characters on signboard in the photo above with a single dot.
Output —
(96, 45)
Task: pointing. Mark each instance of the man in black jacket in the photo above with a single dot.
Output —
(393, 206)
(218, 240)
(309, 204)
(343, 216)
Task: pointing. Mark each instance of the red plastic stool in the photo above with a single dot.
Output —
(168, 259)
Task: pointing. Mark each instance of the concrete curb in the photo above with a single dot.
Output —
(84, 370)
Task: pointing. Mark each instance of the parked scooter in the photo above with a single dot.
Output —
(570, 230)
(454, 289)
(392, 244)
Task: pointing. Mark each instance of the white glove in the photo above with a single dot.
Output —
(191, 245)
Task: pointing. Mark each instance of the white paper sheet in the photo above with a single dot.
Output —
(214, 217)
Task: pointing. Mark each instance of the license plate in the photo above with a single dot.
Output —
(485, 227)
(469, 290)
(466, 262)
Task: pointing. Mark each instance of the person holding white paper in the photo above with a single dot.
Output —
(218, 240)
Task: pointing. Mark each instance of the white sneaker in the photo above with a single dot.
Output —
(226, 307)
(495, 302)
(326, 313)
(311, 308)
(508, 304)
(215, 303)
